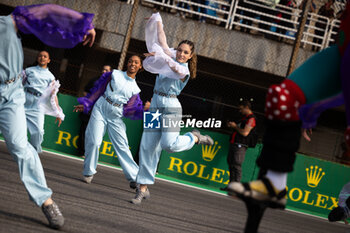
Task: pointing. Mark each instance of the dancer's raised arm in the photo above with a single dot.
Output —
(160, 58)
(161, 35)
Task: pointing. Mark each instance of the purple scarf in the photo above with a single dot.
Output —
(54, 25)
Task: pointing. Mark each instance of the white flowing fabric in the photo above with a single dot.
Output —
(163, 62)
(47, 101)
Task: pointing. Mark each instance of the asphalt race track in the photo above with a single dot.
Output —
(104, 206)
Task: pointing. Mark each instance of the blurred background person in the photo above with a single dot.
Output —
(84, 118)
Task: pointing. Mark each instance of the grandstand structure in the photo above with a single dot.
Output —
(234, 62)
(278, 20)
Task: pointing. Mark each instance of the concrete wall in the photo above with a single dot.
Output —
(211, 41)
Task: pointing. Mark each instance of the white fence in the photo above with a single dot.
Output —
(279, 22)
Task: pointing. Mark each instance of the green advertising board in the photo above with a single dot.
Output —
(313, 186)
(207, 165)
(65, 137)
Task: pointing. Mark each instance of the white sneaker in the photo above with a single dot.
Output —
(88, 179)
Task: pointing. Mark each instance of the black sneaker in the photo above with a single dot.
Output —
(133, 185)
(53, 215)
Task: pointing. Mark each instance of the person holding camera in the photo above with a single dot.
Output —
(244, 136)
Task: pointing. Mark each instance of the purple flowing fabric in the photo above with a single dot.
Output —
(95, 92)
(309, 113)
(345, 77)
(132, 110)
(54, 25)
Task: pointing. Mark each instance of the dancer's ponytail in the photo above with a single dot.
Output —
(193, 66)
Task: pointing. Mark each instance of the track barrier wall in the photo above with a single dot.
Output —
(313, 186)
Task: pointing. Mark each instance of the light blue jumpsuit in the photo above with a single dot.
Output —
(154, 140)
(12, 115)
(106, 116)
(38, 79)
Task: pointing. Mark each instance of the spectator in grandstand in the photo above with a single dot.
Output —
(182, 5)
(267, 8)
(313, 6)
(340, 13)
(335, 30)
(85, 117)
(244, 136)
(246, 13)
(342, 212)
(227, 9)
(212, 4)
(202, 10)
(285, 14)
(321, 24)
(167, 9)
(65, 30)
(174, 69)
(311, 10)
(171, 3)
(37, 79)
(114, 95)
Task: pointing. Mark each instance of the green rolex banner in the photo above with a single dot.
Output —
(207, 165)
(65, 137)
(313, 186)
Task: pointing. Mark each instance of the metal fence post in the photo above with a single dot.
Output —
(229, 14)
(232, 15)
(297, 41)
(128, 35)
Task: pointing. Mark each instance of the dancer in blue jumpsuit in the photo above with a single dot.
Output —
(107, 115)
(12, 97)
(174, 73)
(38, 78)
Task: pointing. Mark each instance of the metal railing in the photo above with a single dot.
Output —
(279, 22)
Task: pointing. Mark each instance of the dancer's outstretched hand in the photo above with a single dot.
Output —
(231, 124)
(59, 121)
(89, 38)
(147, 105)
(78, 108)
(149, 54)
(306, 135)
